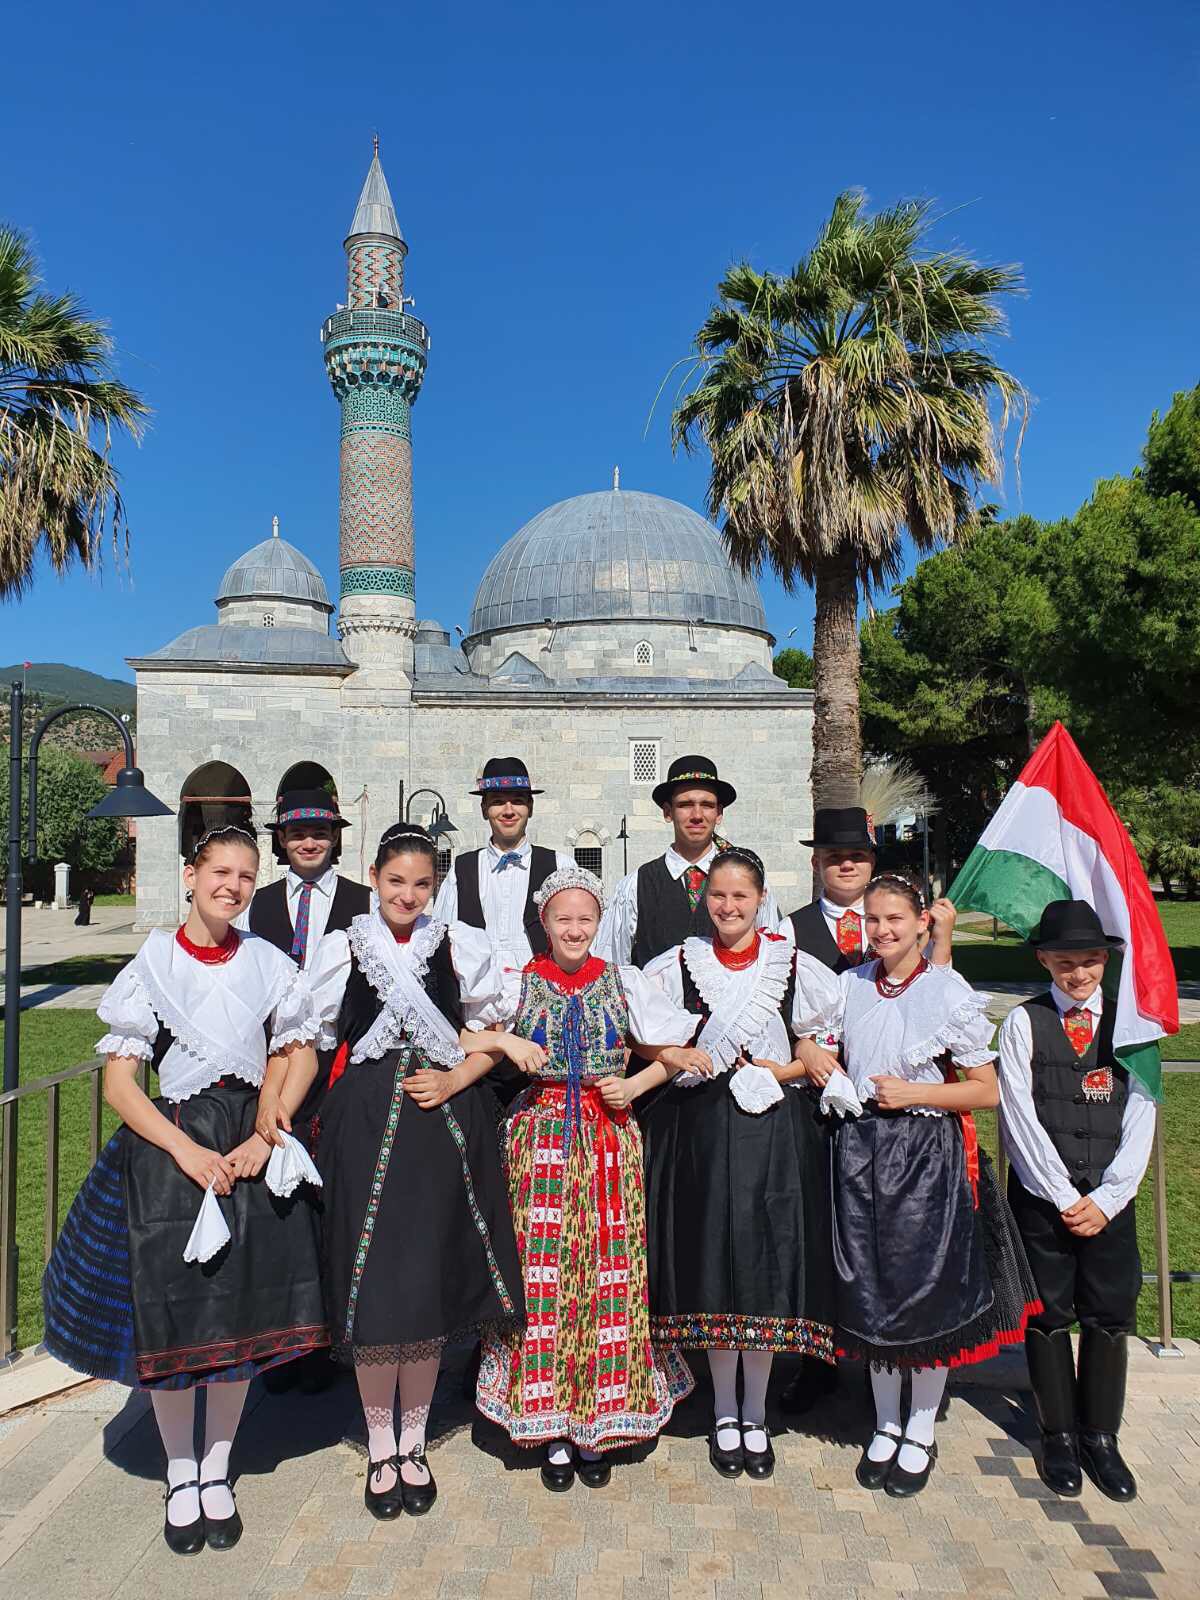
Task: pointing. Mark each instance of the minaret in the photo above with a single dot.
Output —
(375, 356)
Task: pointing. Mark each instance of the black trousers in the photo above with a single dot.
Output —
(1095, 1281)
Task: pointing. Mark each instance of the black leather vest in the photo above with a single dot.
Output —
(664, 917)
(269, 917)
(1086, 1133)
(542, 863)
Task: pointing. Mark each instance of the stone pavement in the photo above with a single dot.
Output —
(80, 1508)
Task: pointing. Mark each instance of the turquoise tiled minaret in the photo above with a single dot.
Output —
(375, 355)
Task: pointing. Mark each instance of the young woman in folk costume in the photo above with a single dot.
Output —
(418, 1240)
(737, 1165)
(205, 1006)
(930, 1273)
(583, 1374)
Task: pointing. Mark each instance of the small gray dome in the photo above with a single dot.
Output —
(274, 570)
(616, 553)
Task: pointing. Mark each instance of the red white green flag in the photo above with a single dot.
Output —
(1057, 837)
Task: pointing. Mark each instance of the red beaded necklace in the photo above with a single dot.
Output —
(889, 989)
(212, 955)
(737, 960)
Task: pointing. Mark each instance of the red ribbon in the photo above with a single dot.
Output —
(970, 1137)
(605, 1120)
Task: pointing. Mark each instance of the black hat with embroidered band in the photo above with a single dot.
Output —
(841, 828)
(1072, 925)
(505, 774)
(693, 772)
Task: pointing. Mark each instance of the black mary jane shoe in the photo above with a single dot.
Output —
(1105, 1467)
(874, 1474)
(729, 1463)
(221, 1533)
(558, 1476)
(594, 1474)
(416, 1497)
(759, 1463)
(1058, 1466)
(188, 1539)
(385, 1504)
(902, 1484)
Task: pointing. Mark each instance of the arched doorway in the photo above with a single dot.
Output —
(211, 796)
(307, 775)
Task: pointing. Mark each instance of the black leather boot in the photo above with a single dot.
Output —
(1052, 1373)
(1103, 1360)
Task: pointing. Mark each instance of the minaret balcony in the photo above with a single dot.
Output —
(388, 349)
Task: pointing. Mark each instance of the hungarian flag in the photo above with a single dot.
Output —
(1057, 837)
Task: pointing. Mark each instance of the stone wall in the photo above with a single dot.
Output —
(609, 649)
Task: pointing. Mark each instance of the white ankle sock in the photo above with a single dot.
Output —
(723, 1364)
(559, 1452)
(223, 1411)
(885, 1387)
(756, 1375)
(175, 1413)
(928, 1386)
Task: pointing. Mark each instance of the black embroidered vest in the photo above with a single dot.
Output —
(542, 863)
(270, 919)
(1086, 1133)
(814, 938)
(664, 917)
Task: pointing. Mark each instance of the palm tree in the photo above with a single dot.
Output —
(59, 406)
(842, 403)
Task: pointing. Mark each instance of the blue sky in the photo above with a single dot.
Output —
(572, 181)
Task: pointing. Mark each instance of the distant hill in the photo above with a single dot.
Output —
(54, 681)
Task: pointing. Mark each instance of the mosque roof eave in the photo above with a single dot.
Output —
(226, 647)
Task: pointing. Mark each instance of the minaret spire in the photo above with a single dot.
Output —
(375, 356)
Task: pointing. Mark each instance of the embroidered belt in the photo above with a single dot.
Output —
(603, 1121)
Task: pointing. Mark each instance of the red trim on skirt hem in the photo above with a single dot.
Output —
(986, 1351)
(267, 1348)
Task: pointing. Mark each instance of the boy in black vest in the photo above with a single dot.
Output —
(294, 913)
(662, 903)
(493, 888)
(1079, 1132)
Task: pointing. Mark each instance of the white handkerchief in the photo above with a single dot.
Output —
(211, 1231)
(841, 1096)
(290, 1166)
(755, 1089)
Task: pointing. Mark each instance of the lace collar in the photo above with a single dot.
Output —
(741, 1004)
(396, 972)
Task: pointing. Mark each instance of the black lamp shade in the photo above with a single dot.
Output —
(130, 798)
(440, 826)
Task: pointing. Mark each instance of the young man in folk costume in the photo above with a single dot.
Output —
(493, 888)
(832, 929)
(662, 903)
(1079, 1132)
(294, 914)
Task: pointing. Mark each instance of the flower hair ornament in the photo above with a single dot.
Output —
(893, 880)
(568, 878)
(236, 829)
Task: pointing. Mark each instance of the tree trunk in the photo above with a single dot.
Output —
(837, 735)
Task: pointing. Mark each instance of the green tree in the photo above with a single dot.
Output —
(842, 403)
(795, 667)
(59, 408)
(1172, 454)
(67, 790)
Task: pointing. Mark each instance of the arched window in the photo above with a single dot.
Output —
(643, 653)
(589, 854)
(307, 775)
(211, 796)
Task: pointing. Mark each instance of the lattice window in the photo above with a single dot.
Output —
(591, 858)
(643, 654)
(643, 761)
(268, 619)
(443, 867)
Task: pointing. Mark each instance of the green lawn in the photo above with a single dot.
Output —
(115, 900)
(1008, 959)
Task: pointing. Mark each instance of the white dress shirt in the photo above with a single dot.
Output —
(618, 926)
(324, 888)
(502, 894)
(1031, 1150)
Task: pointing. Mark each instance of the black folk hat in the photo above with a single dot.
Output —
(1072, 925)
(505, 773)
(306, 805)
(844, 827)
(693, 772)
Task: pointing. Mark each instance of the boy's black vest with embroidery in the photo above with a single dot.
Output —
(813, 937)
(1086, 1133)
(664, 917)
(542, 863)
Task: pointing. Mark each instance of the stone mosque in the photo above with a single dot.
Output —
(606, 636)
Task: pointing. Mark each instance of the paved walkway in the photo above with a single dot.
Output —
(80, 1508)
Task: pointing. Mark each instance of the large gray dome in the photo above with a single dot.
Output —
(274, 570)
(616, 553)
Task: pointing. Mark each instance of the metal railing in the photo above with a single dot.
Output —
(10, 1103)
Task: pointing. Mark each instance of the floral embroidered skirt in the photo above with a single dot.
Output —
(583, 1368)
